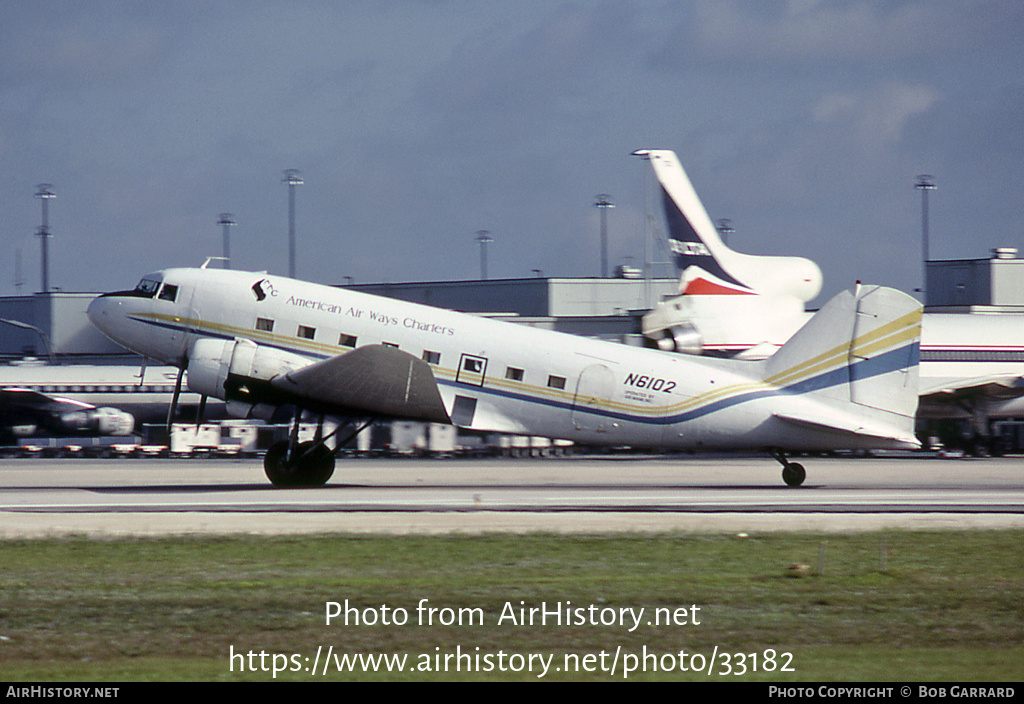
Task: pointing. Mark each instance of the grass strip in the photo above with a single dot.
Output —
(893, 605)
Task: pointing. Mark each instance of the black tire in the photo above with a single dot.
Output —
(276, 467)
(793, 474)
(316, 465)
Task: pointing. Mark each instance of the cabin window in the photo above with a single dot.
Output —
(264, 324)
(168, 293)
(431, 357)
(347, 340)
(556, 382)
(514, 374)
(307, 332)
(472, 370)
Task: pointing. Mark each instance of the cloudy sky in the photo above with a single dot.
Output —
(416, 123)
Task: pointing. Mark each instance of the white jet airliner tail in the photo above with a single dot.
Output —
(708, 266)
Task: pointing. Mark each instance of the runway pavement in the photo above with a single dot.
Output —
(42, 497)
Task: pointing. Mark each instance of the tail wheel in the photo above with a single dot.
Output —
(793, 474)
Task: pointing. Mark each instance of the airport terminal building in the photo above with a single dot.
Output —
(991, 285)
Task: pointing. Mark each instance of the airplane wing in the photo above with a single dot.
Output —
(25, 412)
(28, 398)
(375, 379)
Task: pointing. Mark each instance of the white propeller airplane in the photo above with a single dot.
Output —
(847, 380)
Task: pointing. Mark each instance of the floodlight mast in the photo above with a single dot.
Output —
(483, 237)
(725, 229)
(44, 192)
(924, 184)
(226, 221)
(645, 154)
(292, 178)
(602, 203)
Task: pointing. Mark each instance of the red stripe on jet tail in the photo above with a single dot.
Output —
(703, 287)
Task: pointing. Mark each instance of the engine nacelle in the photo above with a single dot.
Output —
(238, 371)
(112, 421)
(683, 337)
(102, 421)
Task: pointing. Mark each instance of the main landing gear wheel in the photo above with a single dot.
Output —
(793, 473)
(311, 465)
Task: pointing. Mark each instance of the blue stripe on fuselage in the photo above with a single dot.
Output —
(900, 358)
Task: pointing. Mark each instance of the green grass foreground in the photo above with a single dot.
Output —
(873, 606)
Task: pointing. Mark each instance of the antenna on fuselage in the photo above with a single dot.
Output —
(210, 259)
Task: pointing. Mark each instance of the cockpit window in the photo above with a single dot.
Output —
(147, 287)
(168, 293)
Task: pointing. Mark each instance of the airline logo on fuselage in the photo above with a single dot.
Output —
(262, 288)
(689, 249)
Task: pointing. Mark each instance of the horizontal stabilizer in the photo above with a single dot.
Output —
(375, 379)
(852, 426)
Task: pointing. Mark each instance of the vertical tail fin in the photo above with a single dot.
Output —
(862, 348)
(707, 265)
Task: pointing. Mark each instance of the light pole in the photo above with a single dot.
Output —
(645, 154)
(44, 193)
(226, 221)
(292, 178)
(483, 237)
(603, 202)
(18, 283)
(725, 229)
(924, 184)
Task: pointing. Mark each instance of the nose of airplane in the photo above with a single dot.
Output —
(98, 311)
(105, 313)
(123, 317)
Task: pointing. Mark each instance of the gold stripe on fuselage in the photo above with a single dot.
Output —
(889, 335)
